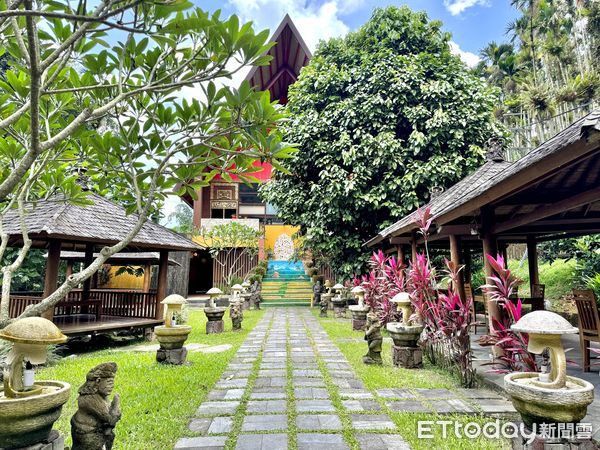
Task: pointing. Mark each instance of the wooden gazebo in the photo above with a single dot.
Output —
(60, 226)
(551, 193)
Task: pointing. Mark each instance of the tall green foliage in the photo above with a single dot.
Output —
(381, 117)
(549, 71)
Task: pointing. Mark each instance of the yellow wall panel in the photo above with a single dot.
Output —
(123, 281)
(272, 233)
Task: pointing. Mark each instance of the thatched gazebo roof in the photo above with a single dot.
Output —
(102, 223)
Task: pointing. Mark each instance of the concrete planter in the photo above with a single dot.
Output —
(404, 335)
(171, 338)
(540, 405)
(29, 420)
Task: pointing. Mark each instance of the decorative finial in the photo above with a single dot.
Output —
(495, 149)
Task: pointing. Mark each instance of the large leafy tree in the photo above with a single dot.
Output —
(98, 88)
(381, 117)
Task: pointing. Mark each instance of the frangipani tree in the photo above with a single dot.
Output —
(100, 90)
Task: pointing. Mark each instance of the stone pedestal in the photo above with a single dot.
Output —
(339, 311)
(359, 317)
(407, 357)
(246, 301)
(176, 356)
(554, 443)
(359, 324)
(215, 326)
(55, 441)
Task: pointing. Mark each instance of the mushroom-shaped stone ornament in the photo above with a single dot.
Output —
(359, 293)
(173, 304)
(403, 303)
(213, 293)
(30, 337)
(545, 329)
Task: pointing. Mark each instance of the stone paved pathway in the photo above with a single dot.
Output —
(289, 386)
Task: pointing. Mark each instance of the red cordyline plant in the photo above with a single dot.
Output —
(445, 317)
(384, 280)
(513, 354)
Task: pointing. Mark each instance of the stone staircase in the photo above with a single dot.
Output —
(286, 284)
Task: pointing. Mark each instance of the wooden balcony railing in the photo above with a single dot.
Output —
(108, 302)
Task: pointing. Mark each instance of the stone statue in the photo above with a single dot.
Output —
(324, 304)
(374, 339)
(317, 289)
(92, 426)
(255, 295)
(237, 314)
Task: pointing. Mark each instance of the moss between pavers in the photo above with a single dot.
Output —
(157, 400)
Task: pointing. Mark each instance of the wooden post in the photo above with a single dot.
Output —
(490, 247)
(468, 275)
(197, 217)
(503, 250)
(147, 277)
(413, 247)
(161, 287)
(455, 250)
(88, 259)
(51, 276)
(69, 271)
(400, 249)
(532, 259)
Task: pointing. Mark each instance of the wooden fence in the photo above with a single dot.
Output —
(110, 302)
(242, 263)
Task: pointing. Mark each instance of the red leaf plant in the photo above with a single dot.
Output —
(513, 355)
(446, 319)
(384, 280)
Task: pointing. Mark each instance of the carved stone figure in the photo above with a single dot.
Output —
(255, 297)
(237, 315)
(317, 289)
(92, 426)
(374, 339)
(324, 304)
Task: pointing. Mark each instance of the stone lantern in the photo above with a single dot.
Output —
(236, 289)
(359, 312)
(246, 294)
(339, 303)
(214, 313)
(171, 336)
(29, 408)
(542, 397)
(405, 350)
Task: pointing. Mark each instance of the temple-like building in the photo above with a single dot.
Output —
(222, 201)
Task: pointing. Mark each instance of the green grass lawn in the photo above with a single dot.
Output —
(156, 400)
(353, 346)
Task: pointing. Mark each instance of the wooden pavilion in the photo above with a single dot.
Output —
(59, 226)
(551, 193)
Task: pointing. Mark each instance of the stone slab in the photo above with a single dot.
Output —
(413, 406)
(495, 406)
(437, 393)
(371, 422)
(450, 406)
(318, 422)
(267, 406)
(233, 383)
(478, 394)
(308, 382)
(262, 441)
(268, 393)
(201, 442)
(311, 393)
(225, 394)
(361, 394)
(311, 441)
(270, 382)
(314, 406)
(361, 405)
(216, 408)
(395, 393)
(265, 423)
(381, 442)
